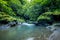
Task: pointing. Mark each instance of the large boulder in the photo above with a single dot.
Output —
(55, 28)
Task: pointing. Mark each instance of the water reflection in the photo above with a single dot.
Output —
(23, 32)
(32, 38)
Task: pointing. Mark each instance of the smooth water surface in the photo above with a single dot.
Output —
(25, 32)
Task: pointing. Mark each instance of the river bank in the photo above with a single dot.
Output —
(5, 24)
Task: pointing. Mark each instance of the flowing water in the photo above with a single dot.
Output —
(25, 32)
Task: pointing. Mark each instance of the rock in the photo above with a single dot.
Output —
(13, 23)
(4, 22)
(4, 27)
(55, 35)
(55, 28)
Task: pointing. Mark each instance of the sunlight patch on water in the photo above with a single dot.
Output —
(32, 38)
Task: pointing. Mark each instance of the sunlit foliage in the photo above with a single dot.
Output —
(30, 9)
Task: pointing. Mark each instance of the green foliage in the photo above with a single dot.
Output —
(7, 12)
(5, 16)
(34, 10)
(45, 16)
(50, 16)
(56, 12)
(4, 7)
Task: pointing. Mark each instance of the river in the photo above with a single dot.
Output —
(25, 32)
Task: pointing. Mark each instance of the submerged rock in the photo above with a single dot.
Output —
(8, 25)
(4, 27)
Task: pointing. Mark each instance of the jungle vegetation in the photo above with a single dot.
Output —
(30, 10)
